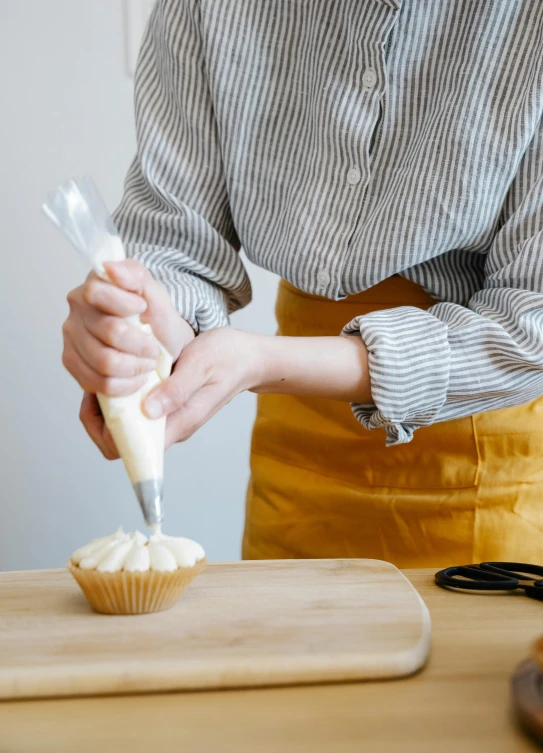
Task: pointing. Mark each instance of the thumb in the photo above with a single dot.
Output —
(187, 378)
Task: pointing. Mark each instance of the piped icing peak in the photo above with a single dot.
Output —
(134, 552)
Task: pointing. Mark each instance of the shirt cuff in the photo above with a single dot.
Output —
(201, 302)
(409, 362)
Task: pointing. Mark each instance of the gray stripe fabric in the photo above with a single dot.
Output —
(340, 143)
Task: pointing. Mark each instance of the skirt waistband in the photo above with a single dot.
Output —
(393, 291)
(301, 314)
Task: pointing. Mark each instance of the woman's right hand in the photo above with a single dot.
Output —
(107, 354)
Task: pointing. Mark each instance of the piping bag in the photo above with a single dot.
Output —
(79, 211)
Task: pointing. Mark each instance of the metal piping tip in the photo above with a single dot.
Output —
(149, 494)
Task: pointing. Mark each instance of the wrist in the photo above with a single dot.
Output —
(183, 335)
(283, 364)
(261, 362)
(330, 367)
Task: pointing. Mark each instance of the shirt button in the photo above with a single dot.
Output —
(323, 278)
(353, 176)
(369, 78)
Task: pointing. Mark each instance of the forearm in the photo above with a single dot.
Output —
(330, 367)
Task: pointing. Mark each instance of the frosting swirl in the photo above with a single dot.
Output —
(134, 552)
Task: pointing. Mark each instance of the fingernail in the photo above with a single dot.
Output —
(154, 408)
(142, 306)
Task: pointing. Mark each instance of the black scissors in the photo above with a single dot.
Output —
(494, 576)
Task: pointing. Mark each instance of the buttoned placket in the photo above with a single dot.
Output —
(357, 177)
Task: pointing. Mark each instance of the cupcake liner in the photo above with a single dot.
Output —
(126, 592)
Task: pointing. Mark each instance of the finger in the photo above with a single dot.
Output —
(130, 275)
(91, 381)
(188, 377)
(172, 331)
(108, 361)
(75, 296)
(133, 277)
(93, 421)
(121, 335)
(112, 300)
(182, 424)
(110, 442)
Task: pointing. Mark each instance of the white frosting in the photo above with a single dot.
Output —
(139, 439)
(135, 553)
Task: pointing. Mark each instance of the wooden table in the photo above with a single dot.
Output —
(459, 703)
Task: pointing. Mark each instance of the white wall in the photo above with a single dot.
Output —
(66, 110)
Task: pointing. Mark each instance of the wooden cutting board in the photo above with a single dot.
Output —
(239, 624)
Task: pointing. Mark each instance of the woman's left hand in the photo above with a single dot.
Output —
(219, 364)
(210, 371)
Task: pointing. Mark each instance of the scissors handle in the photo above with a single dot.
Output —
(535, 591)
(519, 570)
(494, 576)
(524, 572)
(473, 578)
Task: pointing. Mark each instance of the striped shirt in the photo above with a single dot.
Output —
(340, 142)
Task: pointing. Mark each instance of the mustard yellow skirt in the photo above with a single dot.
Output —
(323, 486)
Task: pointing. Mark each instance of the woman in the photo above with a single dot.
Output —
(386, 160)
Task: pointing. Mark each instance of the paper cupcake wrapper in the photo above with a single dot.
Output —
(134, 593)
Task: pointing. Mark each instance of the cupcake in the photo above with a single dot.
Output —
(126, 573)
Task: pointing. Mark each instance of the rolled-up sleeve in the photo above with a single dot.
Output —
(174, 216)
(452, 361)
